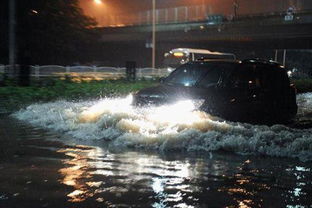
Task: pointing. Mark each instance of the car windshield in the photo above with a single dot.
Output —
(201, 74)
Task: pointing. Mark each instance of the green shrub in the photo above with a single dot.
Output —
(303, 85)
(16, 97)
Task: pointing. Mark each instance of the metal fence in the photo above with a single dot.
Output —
(87, 71)
(2, 68)
(200, 12)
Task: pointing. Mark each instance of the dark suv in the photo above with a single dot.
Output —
(252, 90)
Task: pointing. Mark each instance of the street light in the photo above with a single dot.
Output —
(99, 11)
(99, 2)
(235, 7)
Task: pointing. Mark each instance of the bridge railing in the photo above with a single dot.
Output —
(183, 14)
(98, 72)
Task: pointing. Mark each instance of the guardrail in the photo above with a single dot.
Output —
(87, 71)
(2, 68)
(191, 13)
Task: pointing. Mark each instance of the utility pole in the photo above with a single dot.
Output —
(235, 8)
(12, 41)
(154, 35)
(284, 57)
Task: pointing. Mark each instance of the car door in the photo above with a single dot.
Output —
(241, 93)
(207, 89)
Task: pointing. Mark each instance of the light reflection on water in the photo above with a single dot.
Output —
(75, 172)
(95, 176)
(134, 178)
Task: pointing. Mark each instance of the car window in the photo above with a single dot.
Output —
(211, 78)
(201, 74)
(245, 77)
(253, 76)
(186, 75)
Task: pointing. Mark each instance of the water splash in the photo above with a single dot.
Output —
(171, 127)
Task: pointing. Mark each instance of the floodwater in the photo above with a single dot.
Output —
(104, 153)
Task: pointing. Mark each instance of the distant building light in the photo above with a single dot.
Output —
(34, 11)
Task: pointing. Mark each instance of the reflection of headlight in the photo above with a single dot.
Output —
(170, 69)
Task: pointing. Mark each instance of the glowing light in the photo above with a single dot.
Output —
(98, 2)
(178, 54)
(178, 113)
(34, 11)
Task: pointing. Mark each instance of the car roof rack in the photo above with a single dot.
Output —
(219, 59)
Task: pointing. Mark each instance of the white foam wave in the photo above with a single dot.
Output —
(304, 102)
(174, 127)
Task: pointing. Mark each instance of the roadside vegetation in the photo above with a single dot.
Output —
(303, 85)
(13, 97)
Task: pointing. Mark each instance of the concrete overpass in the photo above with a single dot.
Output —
(257, 32)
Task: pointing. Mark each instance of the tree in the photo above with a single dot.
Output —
(53, 31)
(3, 32)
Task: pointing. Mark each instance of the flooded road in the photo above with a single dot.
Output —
(106, 154)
